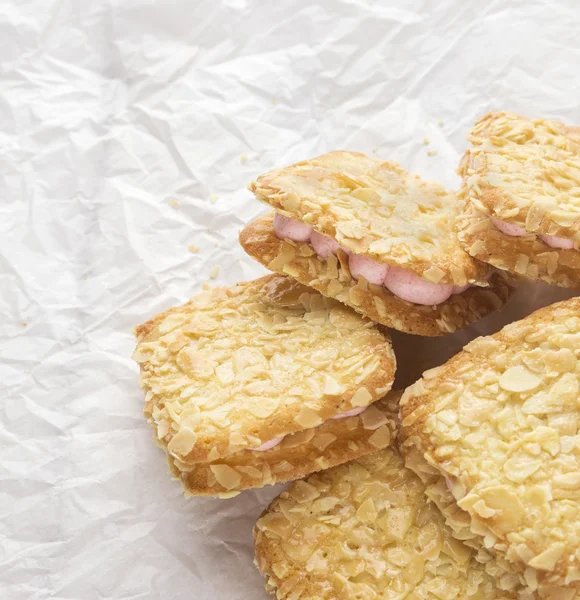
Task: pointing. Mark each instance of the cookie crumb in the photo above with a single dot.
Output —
(214, 272)
(173, 202)
(274, 100)
(206, 286)
(213, 198)
(431, 152)
(23, 323)
(426, 141)
(193, 248)
(441, 122)
(243, 159)
(216, 244)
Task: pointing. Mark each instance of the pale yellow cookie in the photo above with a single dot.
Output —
(300, 454)
(332, 278)
(365, 531)
(494, 433)
(375, 208)
(525, 173)
(237, 367)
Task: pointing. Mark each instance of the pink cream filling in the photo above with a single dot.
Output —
(273, 443)
(516, 231)
(400, 282)
(557, 242)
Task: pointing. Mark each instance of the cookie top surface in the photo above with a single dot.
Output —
(526, 172)
(364, 530)
(376, 208)
(236, 367)
(500, 422)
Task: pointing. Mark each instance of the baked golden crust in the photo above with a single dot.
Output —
(500, 422)
(526, 172)
(332, 443)
(332, 278)
(365, 530)
(375, 208)
(526, 256)
(236, 367)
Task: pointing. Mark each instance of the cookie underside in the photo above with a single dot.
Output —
(332, 278)
(499, 422)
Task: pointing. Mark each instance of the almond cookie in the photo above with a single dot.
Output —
(238, 369)
(345, 221)
(494, 434)
(521, 195)
(365, 531)
(334, 442)
(332, 277)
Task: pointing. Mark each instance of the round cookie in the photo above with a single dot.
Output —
(237, 367)
(332, 278)
(494, 432)
(365, 530)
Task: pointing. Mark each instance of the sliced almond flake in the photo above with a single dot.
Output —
(522, 263)
(286, 254)
(362, 397)
(321, 441)
(546, 561)
(308, 418)
(303, 492)
(518, 379)
(372, 418)
(226, 476)
(182, 443)
(381, 438)
(367, 512)
(333, 387)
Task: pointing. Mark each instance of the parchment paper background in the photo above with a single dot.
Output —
(128, 132)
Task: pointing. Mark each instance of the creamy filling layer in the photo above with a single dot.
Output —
(516, 231)
(402, 283)
(273, 443)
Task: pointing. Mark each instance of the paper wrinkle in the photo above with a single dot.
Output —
(129, 132)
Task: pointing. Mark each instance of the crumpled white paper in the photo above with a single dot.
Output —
(128, 133)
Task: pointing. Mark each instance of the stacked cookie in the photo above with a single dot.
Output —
(263, 382)
(522, 197)
(376, 238)
(489, 440)
(467, 486)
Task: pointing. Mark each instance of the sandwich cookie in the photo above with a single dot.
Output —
(247, 373)
(521, 197)
(365, 531)
(494, 433)
(382, 241)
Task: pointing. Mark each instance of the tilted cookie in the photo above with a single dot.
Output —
(366, 232)
(365, 531)
(521, 195)
(494, 432)
(237, 369)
